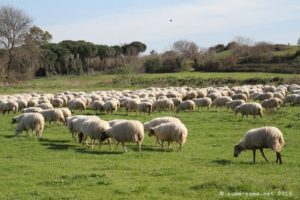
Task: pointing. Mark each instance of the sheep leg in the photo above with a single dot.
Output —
(254, 151)
(100, 143)
(278, 155)
(123, 144)
(117, 145)
(262, 153)
(169, 144)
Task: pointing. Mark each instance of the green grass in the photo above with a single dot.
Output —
(98, 81)
(291, 50)
(56, 167)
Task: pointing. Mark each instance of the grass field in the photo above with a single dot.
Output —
(56, 167)
(103, 81)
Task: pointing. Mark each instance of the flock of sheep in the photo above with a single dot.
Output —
(247, 100)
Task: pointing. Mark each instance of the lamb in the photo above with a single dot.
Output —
(31, 121)
(32, 109)
(272, 103)
(221, 101)
(127, 131)
(54, 115)
(186, 105)
(260, 138)
(203, 102)
(249, 109)
(159, 120)
(93, 128)
(45, 106)
(235, 103)
(145, 107)
(169, 132)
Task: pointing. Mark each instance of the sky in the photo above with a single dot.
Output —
(205, 22)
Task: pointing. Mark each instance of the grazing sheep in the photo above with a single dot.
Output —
(297, 100)
(132, 105)
(110, 106)
(97, 105)
(31, 121)
(115, 121)
(240, 96)
(235, 103)
(32, 103)
(74, 123)
(57, 102)
(127, 131)
(93, 128)
(163, 104)
(159, 120)
(21, 104)
(66, 112)
(45, 106)
(169, 132)
(53, 115)
(270, 104)
(145, 107)
(203, 102)
(221, 101)
(260, 138)
(32, 109)
(9, 107)
(18, 118)
(186, 105)
(176, 101)
(77, 104)
(249, 109)
(290, 99)
(264, 96)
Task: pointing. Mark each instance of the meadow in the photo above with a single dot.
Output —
(56, 167)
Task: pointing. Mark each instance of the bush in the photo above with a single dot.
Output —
(153, 65)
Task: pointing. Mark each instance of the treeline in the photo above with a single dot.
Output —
(26, 51)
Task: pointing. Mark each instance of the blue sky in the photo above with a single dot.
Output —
(205, 22)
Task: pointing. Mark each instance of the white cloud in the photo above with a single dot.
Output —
(152, 26)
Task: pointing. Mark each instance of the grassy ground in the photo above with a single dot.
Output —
(56, 167)
(107, 82)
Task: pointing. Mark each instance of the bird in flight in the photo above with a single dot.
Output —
(171, 20)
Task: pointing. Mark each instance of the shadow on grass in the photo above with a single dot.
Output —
(96, 151)
(156, 149)
(56, 144)
(9, 136)
(222, 162)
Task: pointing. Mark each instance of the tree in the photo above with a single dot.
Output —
(38, 36)
(14, 25)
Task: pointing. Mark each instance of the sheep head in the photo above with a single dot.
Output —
(104, 136)
(151, 132)
(237, 150)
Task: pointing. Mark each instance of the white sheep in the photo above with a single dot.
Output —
(169, 132)
(77, 104)
(159, 120)
(290, 99)
(45, 106)
(8, 107)
(145, 107)
(235, 103)
(264, 96)
(53, 115)
(93, 128)
(74, 123)
(31, 109)
(66, 112)
(240, 96)
(203, 102)
(260, 138)
(127, 131)
(249, 109)
(115, 121)
(221, 101)
(97, 105)
(186, 105)
(31, 121)
(272, 103)
(110, 106)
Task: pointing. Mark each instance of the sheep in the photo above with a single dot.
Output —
(31, 121)
(169, 132)
(45, 106)
(21, 104)
(54, 115)
(32, 103)
(240, 96)
(272, 103)
(290, 99)
(66, 112)
(186, 105)
(176, 101)
(18, 118)
(74, 123)
(234, 103)
(159, 120)
(110, 106)
(57, 102)
(97, 105)
(31, 109)
(203, 102)
(263, 96)
(115, 121)
(77, 104)
(260, 138)
(132, 105)
(93, 128)
(249, 108)
(163, 104)
(8, 107)
(145, 107)
(127, 131)
(221, 101)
